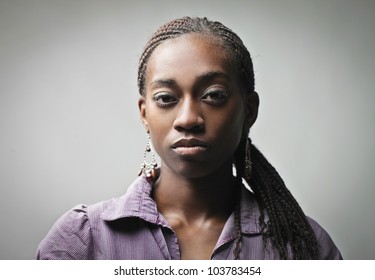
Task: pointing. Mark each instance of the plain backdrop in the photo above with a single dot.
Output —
(70, 131)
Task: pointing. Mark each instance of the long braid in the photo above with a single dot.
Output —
(287, 223)
(281, 218)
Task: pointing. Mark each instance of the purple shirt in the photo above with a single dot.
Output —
(130, 227)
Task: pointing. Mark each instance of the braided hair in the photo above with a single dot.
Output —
(283, 222)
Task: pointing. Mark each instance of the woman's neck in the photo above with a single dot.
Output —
(195, 200)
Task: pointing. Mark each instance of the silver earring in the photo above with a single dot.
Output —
(149, 169)
(248, 163)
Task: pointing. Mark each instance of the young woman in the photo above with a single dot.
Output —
(197, 105)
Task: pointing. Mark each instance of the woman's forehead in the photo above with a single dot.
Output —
(216, 43)
(192, 52)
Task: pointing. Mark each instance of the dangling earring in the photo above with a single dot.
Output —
(149, 169)
(248, 163)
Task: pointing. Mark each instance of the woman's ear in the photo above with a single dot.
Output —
(142, 111)
(252, 109)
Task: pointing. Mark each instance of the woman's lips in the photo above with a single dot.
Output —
(190, 151)
(189, 146)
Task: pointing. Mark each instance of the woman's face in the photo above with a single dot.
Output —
(194, 107)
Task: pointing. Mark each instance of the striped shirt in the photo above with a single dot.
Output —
(130, 227)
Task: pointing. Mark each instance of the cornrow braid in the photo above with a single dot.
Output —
(186, 25)
(281, 218)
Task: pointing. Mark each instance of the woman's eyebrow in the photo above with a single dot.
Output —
(204, 77)
(163, 83)
(208, 76)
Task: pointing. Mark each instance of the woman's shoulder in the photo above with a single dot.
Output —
(327, 249)
(71, 237)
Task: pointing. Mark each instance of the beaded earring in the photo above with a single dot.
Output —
(148, 169)
(248, 163)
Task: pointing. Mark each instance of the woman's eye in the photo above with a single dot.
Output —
(215, 97)
(164, 99)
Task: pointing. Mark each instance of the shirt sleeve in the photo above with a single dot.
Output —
(69, 238)
(327, 249)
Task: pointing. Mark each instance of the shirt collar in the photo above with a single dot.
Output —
(138, 203)
(250, 213)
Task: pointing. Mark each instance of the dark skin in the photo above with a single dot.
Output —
(196, 113)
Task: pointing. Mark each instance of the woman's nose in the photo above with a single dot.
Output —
(189, 116)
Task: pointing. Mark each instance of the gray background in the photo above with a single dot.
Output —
(69, 125)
